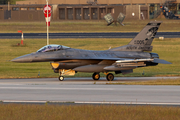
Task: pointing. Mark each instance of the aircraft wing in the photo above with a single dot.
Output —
(122, 60)
(155, 60)
(89, 58)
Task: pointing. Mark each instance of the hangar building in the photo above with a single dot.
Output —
(32, 10)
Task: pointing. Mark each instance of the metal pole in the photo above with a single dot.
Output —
(8, 5)
(47, 24)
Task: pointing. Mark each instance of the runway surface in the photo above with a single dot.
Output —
(85, 35)
(85, 90)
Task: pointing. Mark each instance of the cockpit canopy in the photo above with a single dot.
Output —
(52, 47)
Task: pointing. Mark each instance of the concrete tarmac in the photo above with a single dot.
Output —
(85, 35)
(85, 90)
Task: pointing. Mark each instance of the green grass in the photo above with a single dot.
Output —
(14, 1)
(86, 26)
(168, 49)
(87, 112)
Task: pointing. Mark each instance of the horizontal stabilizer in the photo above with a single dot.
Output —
(161, 61)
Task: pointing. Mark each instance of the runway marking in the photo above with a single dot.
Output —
(128, 103)
(10, 84)
(43, 88)
(20, 101)
(79, 102)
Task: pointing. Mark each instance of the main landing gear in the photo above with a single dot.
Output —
(109, 76)
(95, 76)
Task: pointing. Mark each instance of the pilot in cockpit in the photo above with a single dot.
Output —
(52, 47)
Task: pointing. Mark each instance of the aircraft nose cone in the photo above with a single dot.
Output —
(24, 58)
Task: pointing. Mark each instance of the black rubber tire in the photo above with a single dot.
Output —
(61, 78)
(95, 76)
(110, 77)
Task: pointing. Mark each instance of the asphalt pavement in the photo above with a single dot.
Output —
(85, 90)
(85, 35)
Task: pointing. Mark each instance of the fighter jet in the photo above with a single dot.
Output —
(68, 61)
(167, 13)
(109, 19)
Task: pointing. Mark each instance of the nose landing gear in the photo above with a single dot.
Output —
(61, 78)
(63, 72)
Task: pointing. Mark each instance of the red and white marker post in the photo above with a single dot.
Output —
(22, 37)
(47, 13)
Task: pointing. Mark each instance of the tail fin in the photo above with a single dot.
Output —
(142, 42)
(146, 36)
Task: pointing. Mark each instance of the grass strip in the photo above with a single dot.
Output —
(86, 26)
(88, 112)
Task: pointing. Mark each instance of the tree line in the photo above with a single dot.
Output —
(2, 2)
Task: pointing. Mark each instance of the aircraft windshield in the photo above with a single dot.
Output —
(49, 48)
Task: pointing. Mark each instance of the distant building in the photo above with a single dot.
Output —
(32, 10)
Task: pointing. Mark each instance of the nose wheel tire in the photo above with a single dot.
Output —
(61, 78)
(96, 76)
(110, 77)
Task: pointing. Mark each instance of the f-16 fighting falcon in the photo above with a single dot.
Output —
(68, 61)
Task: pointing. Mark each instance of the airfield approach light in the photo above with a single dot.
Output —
(22, 36)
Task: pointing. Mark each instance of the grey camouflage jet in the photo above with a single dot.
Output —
(68, 61)
(168, 13)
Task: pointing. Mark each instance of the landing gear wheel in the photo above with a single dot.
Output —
(95, 76)
(110, 77)
(61, 78)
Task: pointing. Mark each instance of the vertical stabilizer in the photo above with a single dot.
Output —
(146, 36)
(142, 42)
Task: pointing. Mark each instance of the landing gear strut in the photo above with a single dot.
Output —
(110, 77)
(96, 76)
